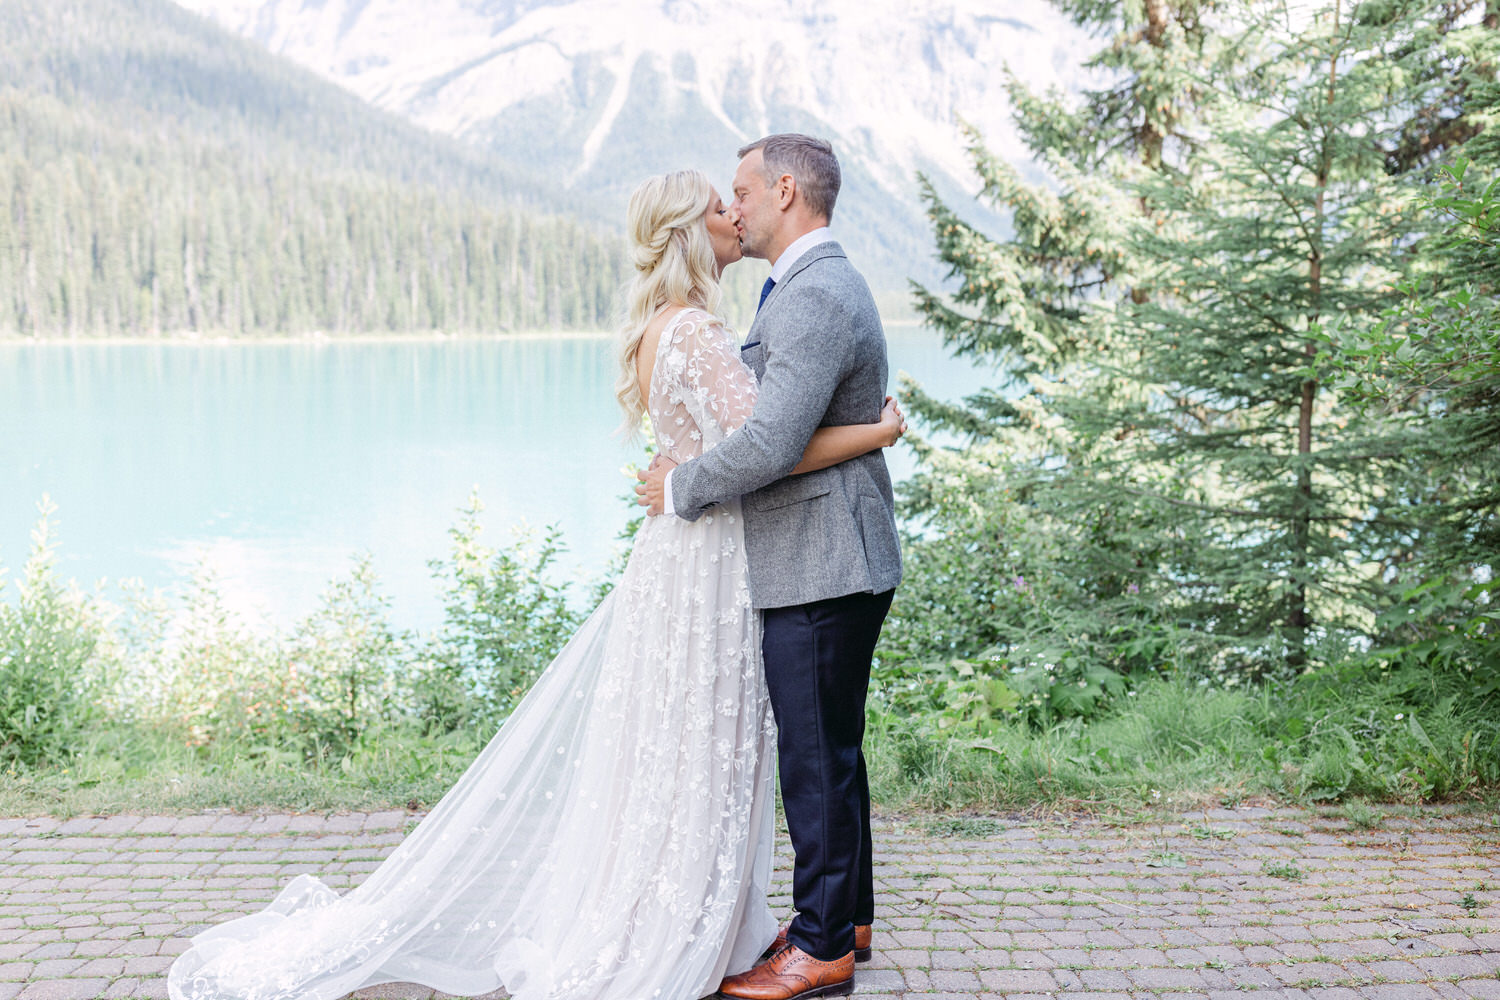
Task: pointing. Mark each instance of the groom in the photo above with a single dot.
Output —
(822, 549)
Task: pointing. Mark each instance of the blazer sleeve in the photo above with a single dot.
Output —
(805, 363)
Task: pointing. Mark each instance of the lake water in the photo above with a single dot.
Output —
(275, 462)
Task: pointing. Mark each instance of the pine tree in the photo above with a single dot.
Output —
(160, 177)
(1188, 491)
(1433, 369)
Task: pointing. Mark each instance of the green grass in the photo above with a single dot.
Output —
(129, 771)
(1167, 750)
(1169, 746)
(1180, 746)
(1282, 869)
(962, 826)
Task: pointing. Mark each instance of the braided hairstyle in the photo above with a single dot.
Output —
(674, 264)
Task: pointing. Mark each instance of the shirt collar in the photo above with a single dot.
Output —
(798, 247)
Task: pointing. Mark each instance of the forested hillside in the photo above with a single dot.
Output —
(602, 92)
(160, 176)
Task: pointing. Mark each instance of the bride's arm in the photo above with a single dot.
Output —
(832, 445)
(719, 387)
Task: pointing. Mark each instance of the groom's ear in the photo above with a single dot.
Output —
(785, 191)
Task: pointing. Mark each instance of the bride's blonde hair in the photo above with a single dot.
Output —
(674, 263)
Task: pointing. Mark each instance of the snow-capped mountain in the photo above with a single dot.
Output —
(598, 93)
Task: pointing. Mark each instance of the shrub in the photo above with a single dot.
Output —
(346, 663)
(1363, 729)
(504, 621)
(199, 673)
(51, 675)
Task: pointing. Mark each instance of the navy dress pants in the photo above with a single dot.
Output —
(817, 662)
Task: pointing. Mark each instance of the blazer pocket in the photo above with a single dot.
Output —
(788, 492)
(754, 357)
(878, 528)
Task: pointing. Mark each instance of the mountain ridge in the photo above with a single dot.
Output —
(596, 93)
(165, 177)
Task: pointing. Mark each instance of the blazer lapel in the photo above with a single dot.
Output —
(830, 248)
(753, 339)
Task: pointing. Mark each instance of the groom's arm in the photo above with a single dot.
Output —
(808, 360)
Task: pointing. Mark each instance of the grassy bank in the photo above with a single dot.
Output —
(1169, 746)
(169, 705)
(1190, 744)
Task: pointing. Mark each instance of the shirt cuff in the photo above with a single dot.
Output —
(666, 502)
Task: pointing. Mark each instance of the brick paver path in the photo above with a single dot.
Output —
(1278, 903)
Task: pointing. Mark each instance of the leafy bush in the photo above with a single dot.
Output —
(504, 621)
(313, 694)
(1361, 729)
(342, 707)
(993, 619)
(50, 675)
(347, 662)
(198, 672)
(317, 693)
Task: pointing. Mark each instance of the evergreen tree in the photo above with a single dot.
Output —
(160, 176)
(1433, 369)
(1186, 490)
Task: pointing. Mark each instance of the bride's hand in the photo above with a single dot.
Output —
(891, 420)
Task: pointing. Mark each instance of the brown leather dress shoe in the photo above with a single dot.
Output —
(863, 934)
(792, 974)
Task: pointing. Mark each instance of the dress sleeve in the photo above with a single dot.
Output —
(719, 391)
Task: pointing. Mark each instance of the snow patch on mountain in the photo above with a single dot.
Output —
(579, 86)
(887, 76)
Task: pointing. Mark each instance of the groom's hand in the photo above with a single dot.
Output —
(652, 492)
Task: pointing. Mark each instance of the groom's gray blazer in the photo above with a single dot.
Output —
(818, 348)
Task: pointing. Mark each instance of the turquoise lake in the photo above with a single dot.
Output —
(273, 463)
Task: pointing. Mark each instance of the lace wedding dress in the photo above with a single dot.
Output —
(614, 839)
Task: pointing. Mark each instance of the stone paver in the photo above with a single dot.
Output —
(1279, 903)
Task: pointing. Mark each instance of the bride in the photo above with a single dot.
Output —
(614, 837)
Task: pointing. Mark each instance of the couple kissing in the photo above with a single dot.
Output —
(614, 837)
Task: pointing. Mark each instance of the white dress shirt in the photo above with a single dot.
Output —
(798, 247)
(793, 253)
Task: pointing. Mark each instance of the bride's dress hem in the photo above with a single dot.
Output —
(614, 838)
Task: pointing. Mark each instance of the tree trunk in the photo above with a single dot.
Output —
(1299, 621)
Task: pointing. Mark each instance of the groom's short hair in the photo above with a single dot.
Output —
(811, 163)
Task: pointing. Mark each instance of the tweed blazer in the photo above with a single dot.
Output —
(818, 348)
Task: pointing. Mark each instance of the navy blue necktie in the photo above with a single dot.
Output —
(764, 291)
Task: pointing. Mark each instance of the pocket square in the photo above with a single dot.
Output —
(753, 343)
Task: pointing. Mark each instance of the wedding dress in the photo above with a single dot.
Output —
(614, 839)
